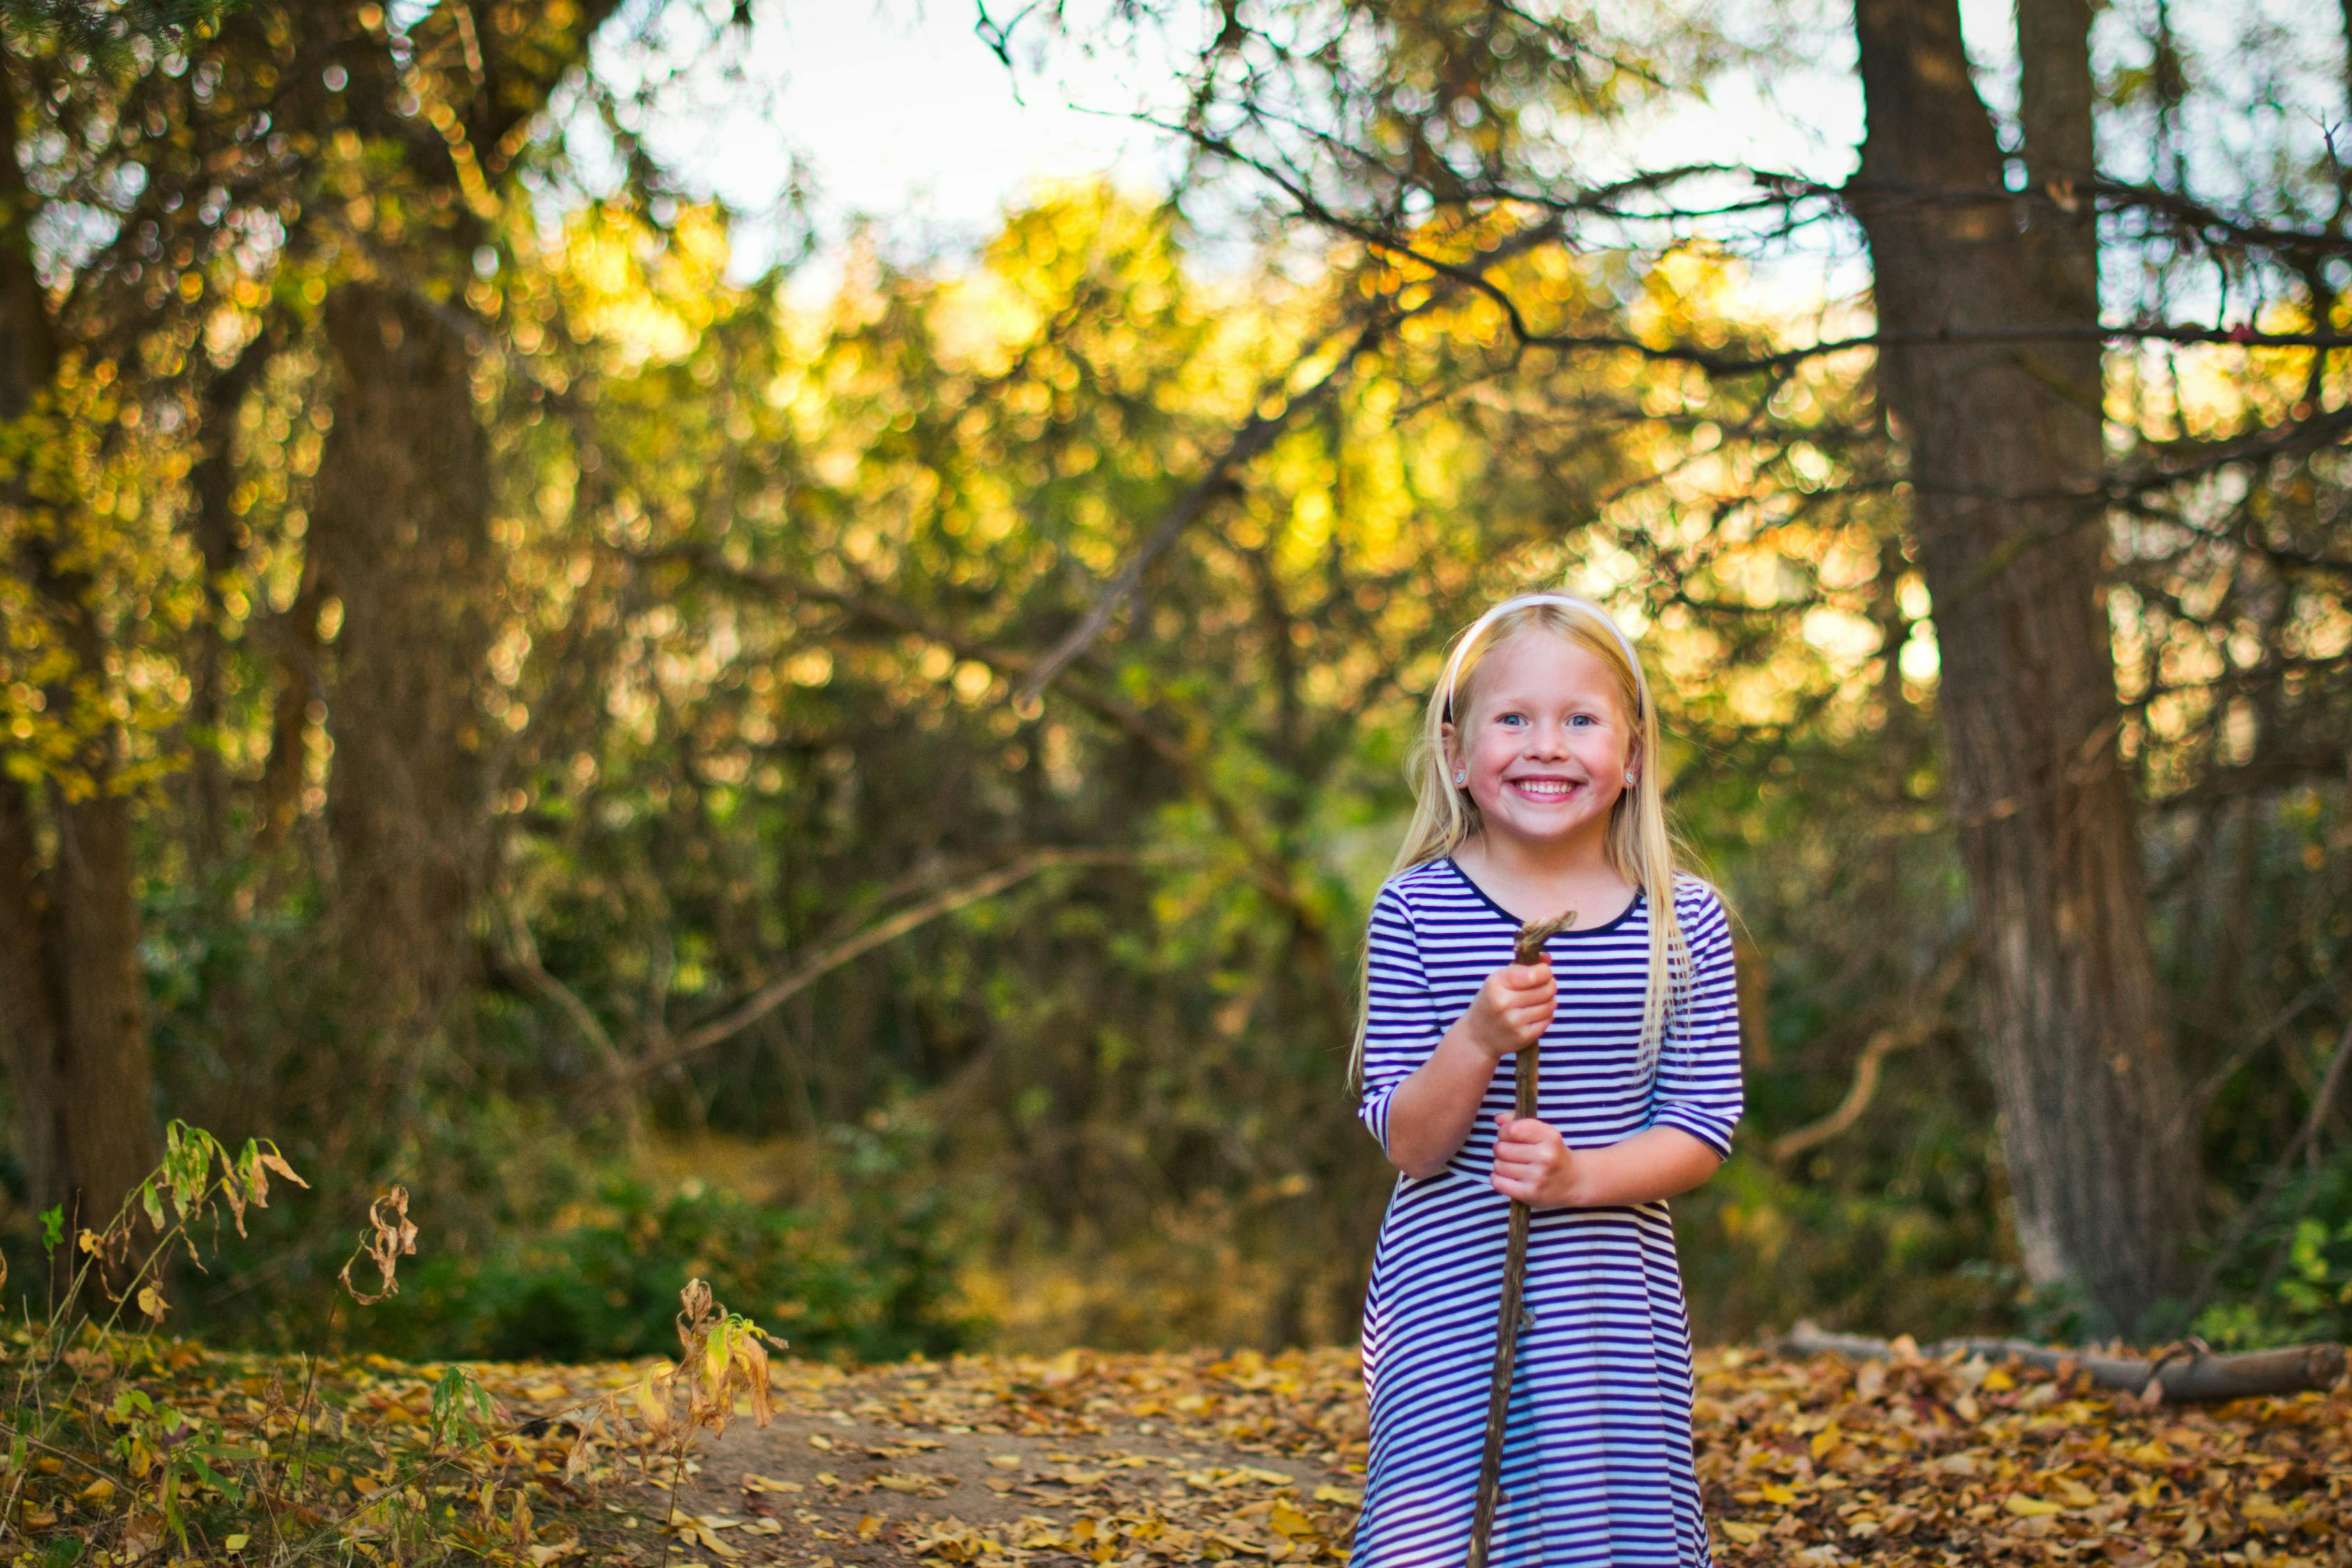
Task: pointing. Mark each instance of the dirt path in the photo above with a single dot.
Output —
(987, 1460)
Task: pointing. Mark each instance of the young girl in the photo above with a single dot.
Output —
(1537, 779)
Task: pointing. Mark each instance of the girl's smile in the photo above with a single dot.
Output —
(1544, 786)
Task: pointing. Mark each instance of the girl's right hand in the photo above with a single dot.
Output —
(1512, 1009)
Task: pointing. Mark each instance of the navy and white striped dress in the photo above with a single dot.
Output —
(1597, 1465)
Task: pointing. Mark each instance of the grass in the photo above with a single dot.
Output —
(127, 1445)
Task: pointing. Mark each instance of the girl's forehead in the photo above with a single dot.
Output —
(1536, 661)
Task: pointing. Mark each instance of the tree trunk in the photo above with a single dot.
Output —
(211, 486)
(2005, 470)
(400, 525)
(400, 532)
(71, 1002)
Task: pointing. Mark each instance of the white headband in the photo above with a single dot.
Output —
(1454, 664)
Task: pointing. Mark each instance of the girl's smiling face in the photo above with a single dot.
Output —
(1544, 737)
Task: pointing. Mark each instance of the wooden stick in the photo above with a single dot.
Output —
(2183, 1371)
(1526, 1072)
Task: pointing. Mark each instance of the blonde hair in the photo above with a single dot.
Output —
(1641, 844)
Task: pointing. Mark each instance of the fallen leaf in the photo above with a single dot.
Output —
(1290, 1521)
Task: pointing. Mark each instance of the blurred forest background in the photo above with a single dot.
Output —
(869, 790)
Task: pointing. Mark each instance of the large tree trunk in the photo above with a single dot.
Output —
(71, 1004)
(399, 531)
(400, 527)
(2005, 467)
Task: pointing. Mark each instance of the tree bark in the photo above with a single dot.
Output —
(2006, 481)
(212, 487)
(72, 998)
(400, 531)
(400, 527)
(2175, 1374)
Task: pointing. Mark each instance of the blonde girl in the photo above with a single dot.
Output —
(1538, 788)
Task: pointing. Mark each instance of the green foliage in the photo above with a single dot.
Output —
(1832, 1231)
(765, 578)
(2292, 1280)
(107, 34)
(599, 1284)
(461, 1407)
(122, 1443)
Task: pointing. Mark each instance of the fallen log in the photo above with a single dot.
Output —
(2184, 1369)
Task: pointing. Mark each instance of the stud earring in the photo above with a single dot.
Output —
(1629, 777)
(1461, 777)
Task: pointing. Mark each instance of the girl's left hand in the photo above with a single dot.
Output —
(1531, 1162)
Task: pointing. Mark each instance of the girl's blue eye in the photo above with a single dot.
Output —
(1581, 719)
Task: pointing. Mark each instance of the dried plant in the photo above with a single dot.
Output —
(153, 1458)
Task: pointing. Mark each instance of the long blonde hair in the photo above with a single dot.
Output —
(1642, 847)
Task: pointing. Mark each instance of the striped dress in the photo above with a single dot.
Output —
(1597, 1465)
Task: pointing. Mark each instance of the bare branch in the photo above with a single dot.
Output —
(1253, 438)
(768, 997)
(2321, 1102)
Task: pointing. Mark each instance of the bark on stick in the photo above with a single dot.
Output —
(1528, 948)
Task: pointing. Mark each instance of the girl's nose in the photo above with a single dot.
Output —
(1546, 739)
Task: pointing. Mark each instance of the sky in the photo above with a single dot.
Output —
(899, 112)
(898, 109)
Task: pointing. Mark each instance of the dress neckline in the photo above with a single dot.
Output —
(1620, 918)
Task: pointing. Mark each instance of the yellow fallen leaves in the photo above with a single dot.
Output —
(1920, 1460)
(1912, 1460)
(698, 1529)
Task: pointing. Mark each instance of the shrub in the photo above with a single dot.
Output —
(2291, 1281)
(873, 1285)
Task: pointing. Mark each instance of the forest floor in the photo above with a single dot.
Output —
(1146, 1461)
(1169, 1458)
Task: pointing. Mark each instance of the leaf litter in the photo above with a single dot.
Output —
(989, 1461)
(1149, 1459)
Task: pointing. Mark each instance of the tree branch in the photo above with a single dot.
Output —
(768, 997)
(2182, 1371)
(1253, 438)
(1881, 1044)
(2251, 1215)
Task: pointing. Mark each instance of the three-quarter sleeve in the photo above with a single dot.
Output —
(1697, 1086)
(1401, 1027)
